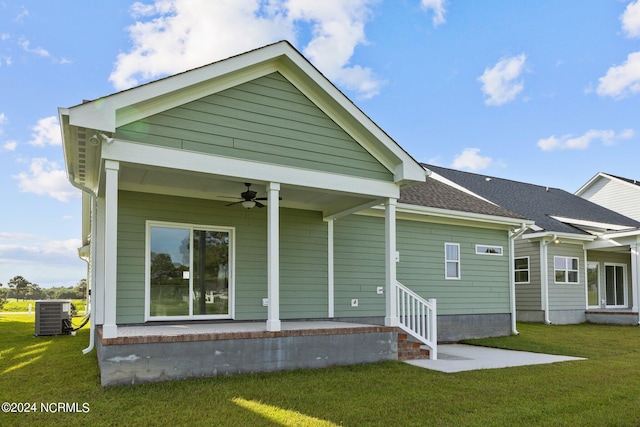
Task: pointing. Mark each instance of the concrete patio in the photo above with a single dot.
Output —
(463, 357)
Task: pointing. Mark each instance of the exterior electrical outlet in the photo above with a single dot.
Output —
(354, 302)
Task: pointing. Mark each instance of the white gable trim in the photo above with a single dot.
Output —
(590, 224)
(108, 113)
(602, 175)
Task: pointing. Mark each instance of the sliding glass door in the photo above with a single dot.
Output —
(189, 271)
(615, 285)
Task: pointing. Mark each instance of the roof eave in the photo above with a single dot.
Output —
(461, 215)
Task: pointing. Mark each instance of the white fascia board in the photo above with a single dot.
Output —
(634, 232)
(589, 183)
(564, 236)
(591, 224)
(600, 175)
(339, 108)
(438, 177)
(124, 107)
(460, 215)
(170, 158)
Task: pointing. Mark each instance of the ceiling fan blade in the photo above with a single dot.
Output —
(234, 203)
(265, 198)
(260, 205)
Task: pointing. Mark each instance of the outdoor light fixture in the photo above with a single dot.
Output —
(97, 138)
(248, 204)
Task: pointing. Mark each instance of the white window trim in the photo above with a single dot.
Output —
(489, 247)
(528, 270)
(147, 269)
(625, 283)
(446, 261)
(586, 283)
(566, 270)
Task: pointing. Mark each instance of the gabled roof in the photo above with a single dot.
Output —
(106, 114)
(599, 175)
(552, 209)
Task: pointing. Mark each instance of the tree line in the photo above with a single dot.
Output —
(20, 288)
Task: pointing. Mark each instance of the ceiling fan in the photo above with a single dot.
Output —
(248, 198)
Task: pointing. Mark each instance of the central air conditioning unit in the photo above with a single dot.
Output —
(53, 317)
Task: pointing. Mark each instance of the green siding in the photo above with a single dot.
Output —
(484, 284)
(528, 295)
(266, 120)
(303, 249)
(565, 296)
(359, 266)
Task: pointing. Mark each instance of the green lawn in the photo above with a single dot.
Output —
(604, 390)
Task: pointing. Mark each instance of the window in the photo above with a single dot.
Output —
(565, 269)
(189, 272)
(521, 269)
(488, 250)
(452, 261)
(615, 285)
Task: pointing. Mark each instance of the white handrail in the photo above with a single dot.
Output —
(418, 317)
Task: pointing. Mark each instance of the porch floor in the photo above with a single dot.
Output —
(141, 334)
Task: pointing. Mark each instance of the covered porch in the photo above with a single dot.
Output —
(613, 278)
(148, 353)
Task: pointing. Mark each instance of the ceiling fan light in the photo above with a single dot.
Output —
(248, 204)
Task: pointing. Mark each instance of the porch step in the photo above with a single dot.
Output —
(408, 349)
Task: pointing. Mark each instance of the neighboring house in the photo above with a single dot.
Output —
(579, 262)
(619, 194)
(246, 216)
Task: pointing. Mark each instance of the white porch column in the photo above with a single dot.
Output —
(330, 270)
(273, 256)
(97, 245)
(391, 315)
(109, 328)
(635, 276)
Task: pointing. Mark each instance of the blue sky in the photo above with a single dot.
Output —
(541, 91)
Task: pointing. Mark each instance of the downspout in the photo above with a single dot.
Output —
(90, 282)
(513, 235)
(545, 277)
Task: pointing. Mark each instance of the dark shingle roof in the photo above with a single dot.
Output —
(536, 202)
(436, 194)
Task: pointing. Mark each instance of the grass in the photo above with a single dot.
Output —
(17, 306)
(604, 390)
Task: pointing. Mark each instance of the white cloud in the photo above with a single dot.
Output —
(582, 142)
(631, 20)
(40, 51)
(46, 178)
(47, 132)
(622, 80)
(39, 260)
(175, 35)
(471, 160)
(23, 14)
(437, 6)
(9, 146)
(3, 121)
(501, 83)
(338, 28)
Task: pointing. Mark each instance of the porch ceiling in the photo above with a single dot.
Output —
(183, 183)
